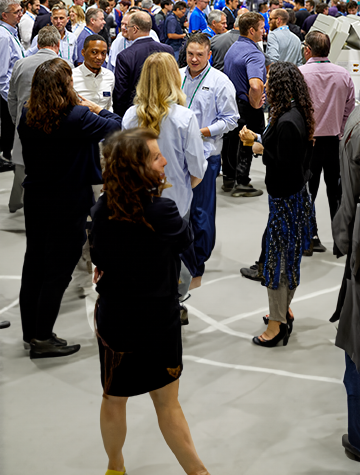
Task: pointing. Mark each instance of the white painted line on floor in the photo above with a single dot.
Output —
(256, 369)
(333, 263)
(235, 318)
(13, 304)
(10, 277)
(2, 190)
(232, 276)
(217, 325)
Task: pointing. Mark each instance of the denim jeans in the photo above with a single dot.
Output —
(352, 385)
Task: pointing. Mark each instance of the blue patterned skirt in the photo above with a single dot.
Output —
(289, 233)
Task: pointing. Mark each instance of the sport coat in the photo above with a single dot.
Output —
(129, 63)
(19, 91)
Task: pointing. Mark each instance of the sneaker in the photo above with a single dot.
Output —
(255, 272)
(228, 185)
(245, 191)
(318, 247)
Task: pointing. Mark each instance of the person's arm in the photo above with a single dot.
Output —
(256, 92)
(122, 96)
(194, 152)
(33, 48)
(171, 24)
(12, 95)
(97, 122)
(227, 112)
(350, 103)
(272, 48)
(5, 65)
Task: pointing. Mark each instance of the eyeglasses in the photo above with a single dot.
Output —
(17, 13)
(307, 46)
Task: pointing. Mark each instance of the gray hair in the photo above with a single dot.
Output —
(58, 7)
(48, 36)
(91, 13)
(215, 15)
(142, 20)
(147, 3)
(5, 4)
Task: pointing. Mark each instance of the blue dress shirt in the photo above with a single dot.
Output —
(67, 47)
(214, 104)
(10, 51)
(180, 143)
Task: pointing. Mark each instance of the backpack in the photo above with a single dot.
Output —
(182, 53)
(162, 31)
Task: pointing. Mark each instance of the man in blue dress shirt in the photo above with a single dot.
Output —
(198, 17)
(211, 95)
(10, 51)
(94, 24)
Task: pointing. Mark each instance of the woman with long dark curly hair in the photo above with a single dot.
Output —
(60, 144)
(135, 241)
(287, 142)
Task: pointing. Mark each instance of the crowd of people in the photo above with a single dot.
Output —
(189, 85)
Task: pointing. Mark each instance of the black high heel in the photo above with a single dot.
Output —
(289, 319)
(283, 336)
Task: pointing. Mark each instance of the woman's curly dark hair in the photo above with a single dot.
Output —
(128, 176)
(284, 84)
(52, 95)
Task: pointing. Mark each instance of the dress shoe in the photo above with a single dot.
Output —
(289, 320)
(5, 324)
(255, 272)
(184, 315)
(47, 349)
(245, 191)
(317, 246)
(6, 165)
(350, 448)
(283, 336)
(55, 339)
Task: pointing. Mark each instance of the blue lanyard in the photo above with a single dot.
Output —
(17, 41)
(29, 14)
(229, 11)
(89, 31)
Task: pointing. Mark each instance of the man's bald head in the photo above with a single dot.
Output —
(141, 21)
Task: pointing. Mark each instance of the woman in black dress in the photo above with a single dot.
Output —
(288, 143)
(135, 240)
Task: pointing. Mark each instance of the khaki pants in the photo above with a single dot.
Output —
(280, 299)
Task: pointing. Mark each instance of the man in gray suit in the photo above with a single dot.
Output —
(19, 93)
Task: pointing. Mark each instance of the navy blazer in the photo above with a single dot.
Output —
(67, 159)
(129, 63)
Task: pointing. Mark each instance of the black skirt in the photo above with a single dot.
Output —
(140, 344)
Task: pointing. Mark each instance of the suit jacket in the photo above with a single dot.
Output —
(19, 91)
(287, 154)
(129, 63)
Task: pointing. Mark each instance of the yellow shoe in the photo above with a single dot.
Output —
(115, 472)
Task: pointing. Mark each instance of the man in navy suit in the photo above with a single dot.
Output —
(130, 61)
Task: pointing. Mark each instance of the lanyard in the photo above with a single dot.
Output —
(202, 79)
(17, 41)
(283, 27)
(67, 39)
(89, 31)
(327, 61)
(29, 14)
(229, 11)
(125, 43)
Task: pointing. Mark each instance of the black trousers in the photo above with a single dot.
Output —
(7, 129)
(237, 158)
(326, 157)
(54, 239)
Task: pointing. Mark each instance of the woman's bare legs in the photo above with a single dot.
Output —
(175, 429)
(113, 429)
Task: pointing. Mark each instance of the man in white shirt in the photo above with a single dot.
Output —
(27, 21)
(211, 95)
(91, 81)
(59, 18)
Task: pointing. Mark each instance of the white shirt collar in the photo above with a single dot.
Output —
(86, 71)
(199, 76)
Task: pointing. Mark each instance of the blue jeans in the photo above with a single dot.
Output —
(352, 385)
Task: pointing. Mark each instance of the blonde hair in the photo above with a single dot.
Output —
(79, 12)
(159, 86)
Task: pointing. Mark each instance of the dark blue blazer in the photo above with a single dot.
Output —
(129, 63)
(67, 159)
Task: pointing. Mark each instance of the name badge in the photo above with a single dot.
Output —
(106, 94)
(204, 88)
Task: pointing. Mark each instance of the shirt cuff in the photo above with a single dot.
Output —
(217, 128)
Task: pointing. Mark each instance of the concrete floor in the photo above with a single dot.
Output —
(252, 411)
